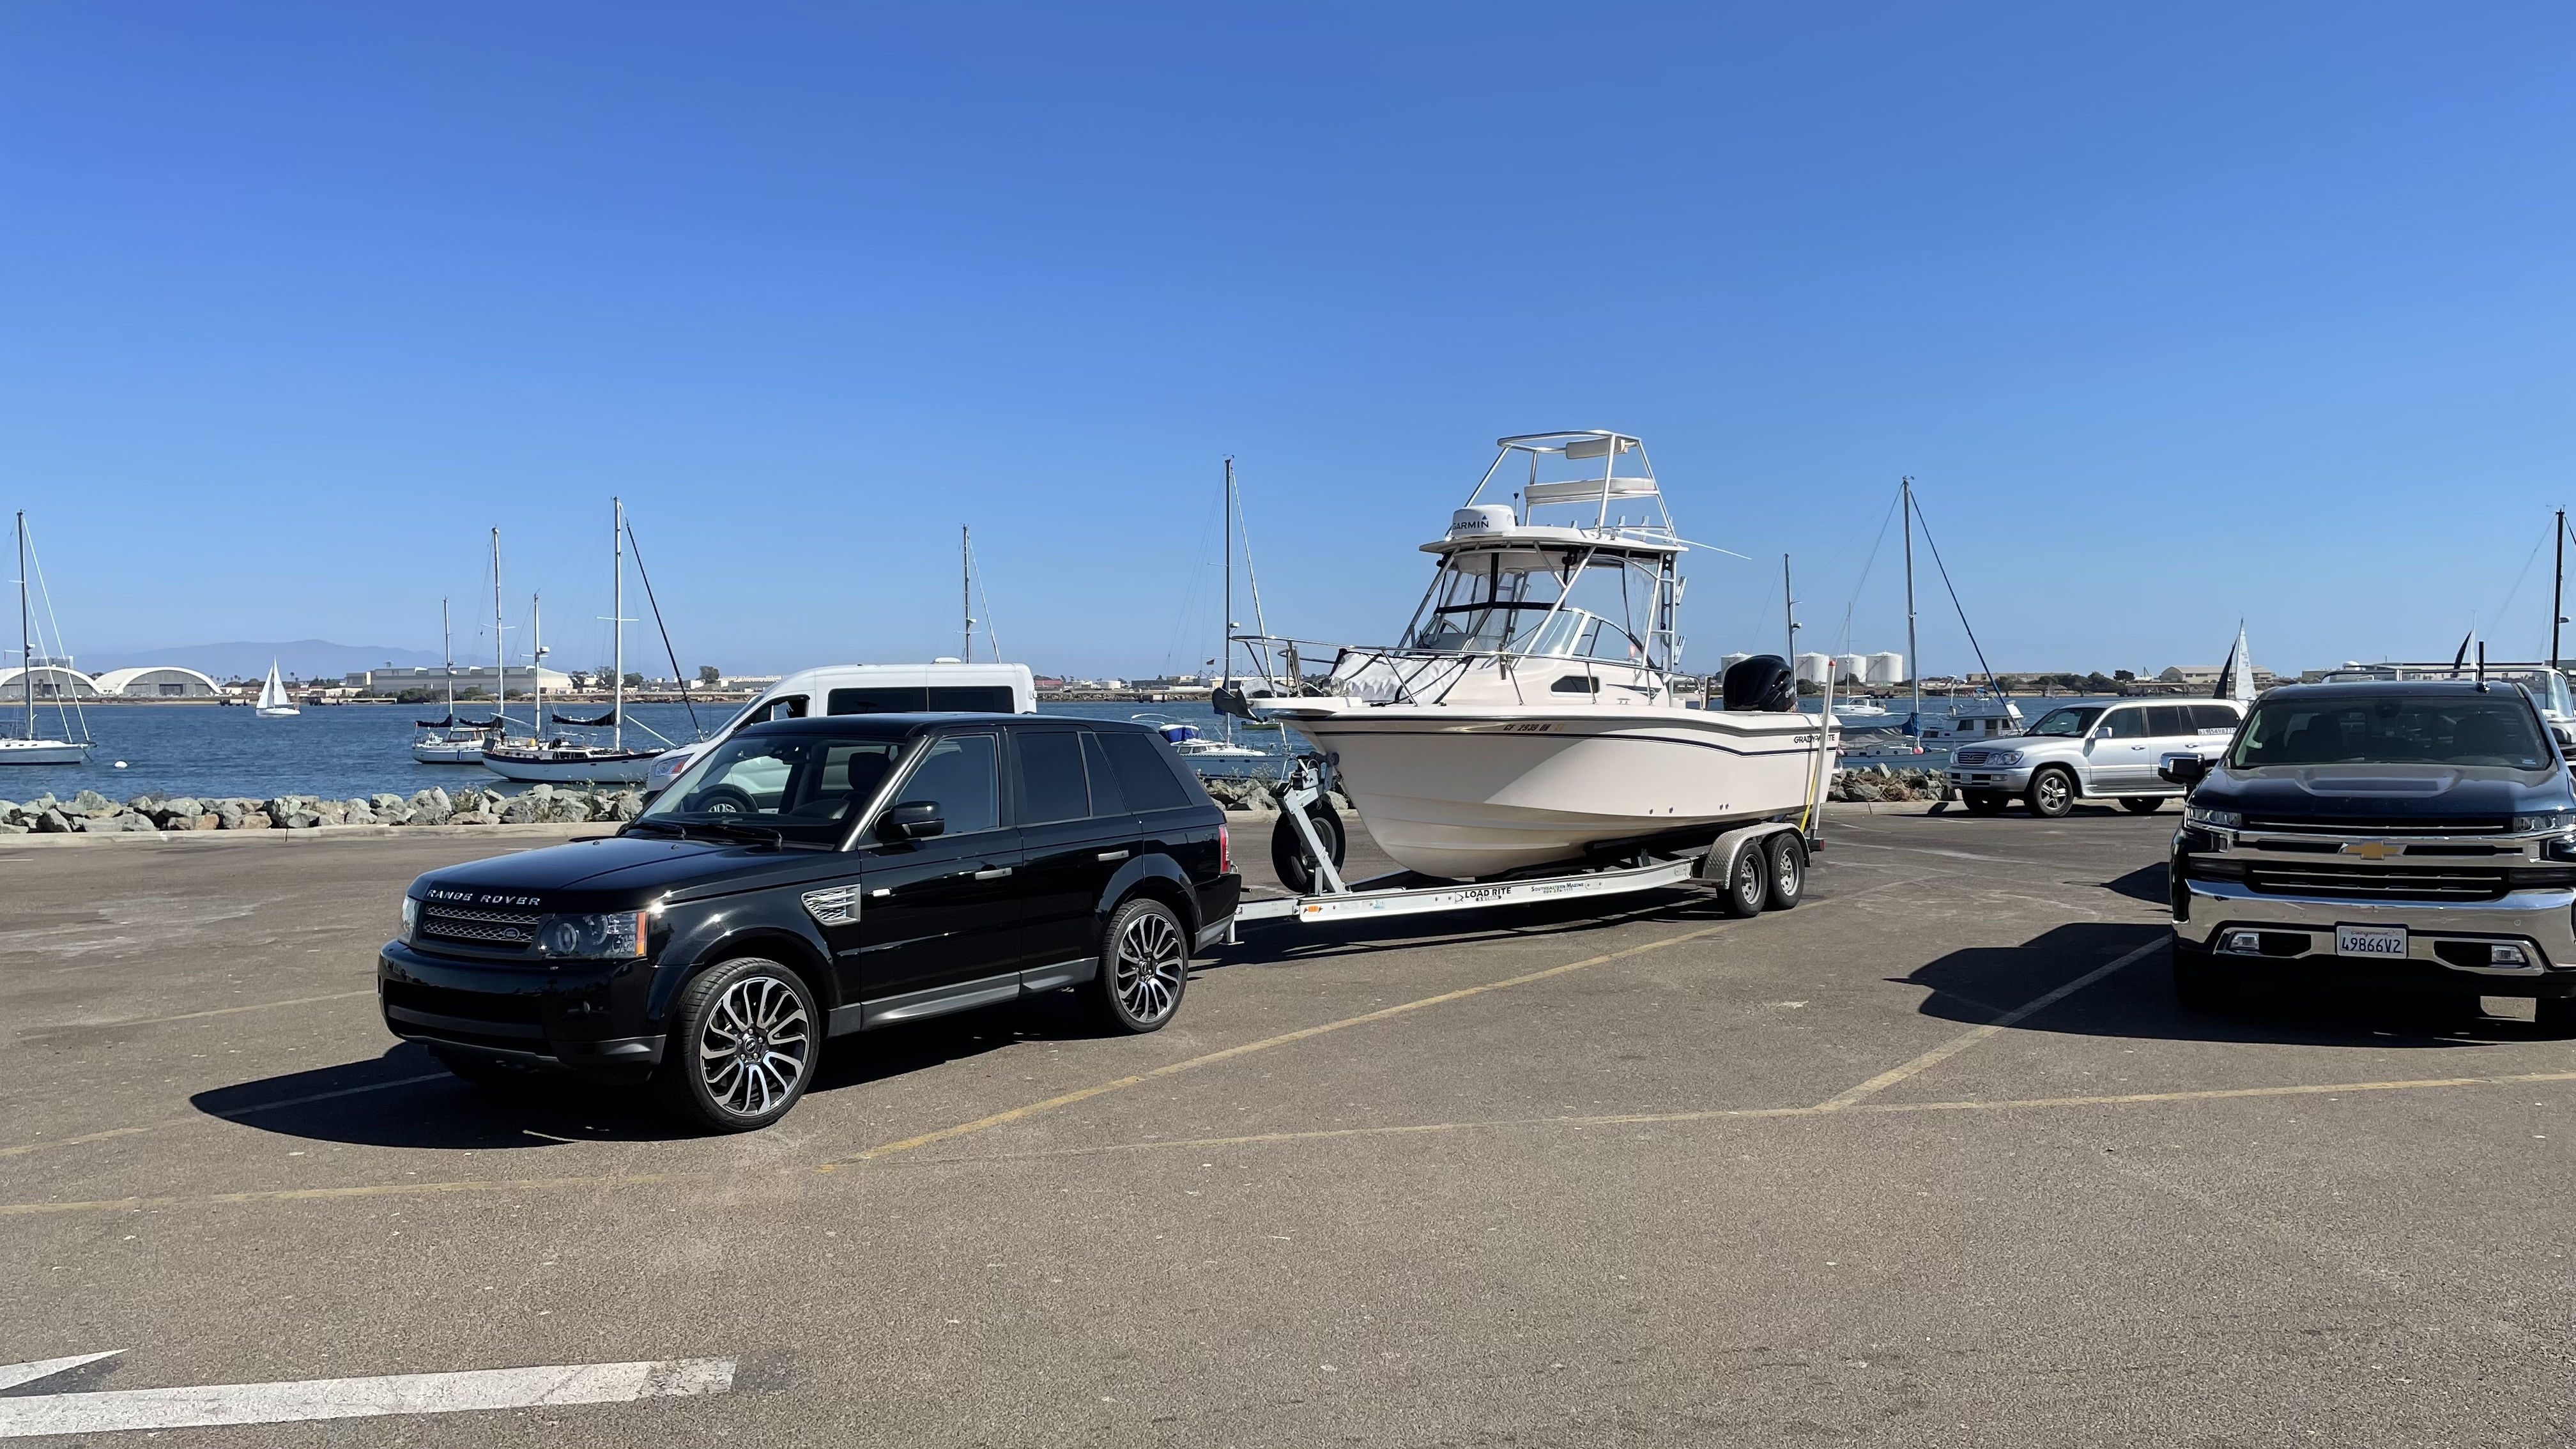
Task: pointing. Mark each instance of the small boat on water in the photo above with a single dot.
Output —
(31, 748)
(273, 701)
(450, 741)
(561, 760)
(1189, 744)
(1528, 715)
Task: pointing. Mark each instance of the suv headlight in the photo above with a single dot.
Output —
(603, 937)
(2214, 819)
(411, 918)
(2003, 757)
(2557, 822)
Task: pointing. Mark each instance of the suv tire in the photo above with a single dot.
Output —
(2142, 804)
(745, 1039)
(1747, 888)
(485, 1071)
(1144, 968)
(2197, 983)
(2051, 793)
(1288, 854)
(1785, 874)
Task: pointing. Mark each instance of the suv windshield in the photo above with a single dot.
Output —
(800, 787)
(2383, 729)
(2066, 721)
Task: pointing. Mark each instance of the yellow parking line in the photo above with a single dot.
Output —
(325, 1194)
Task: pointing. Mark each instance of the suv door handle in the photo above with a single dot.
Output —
(1113, 855)
(992, 874)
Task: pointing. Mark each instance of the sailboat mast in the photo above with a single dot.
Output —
(1913, 655)
(1225, 626)
(617, 608)
(537, 666)
(966, 587)
(2557, 591)
(500, 656)
(26, 654)
(447, 654)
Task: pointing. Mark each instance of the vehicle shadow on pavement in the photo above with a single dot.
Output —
(1979, 984)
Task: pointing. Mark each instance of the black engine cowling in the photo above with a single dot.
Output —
(1764, 684)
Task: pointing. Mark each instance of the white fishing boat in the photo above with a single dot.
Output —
(561, 760)
(1528, 715)
(273, 701)
(30, 748)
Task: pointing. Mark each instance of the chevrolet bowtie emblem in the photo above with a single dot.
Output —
(2373, 850)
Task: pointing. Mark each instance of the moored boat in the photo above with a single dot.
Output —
(31, 748)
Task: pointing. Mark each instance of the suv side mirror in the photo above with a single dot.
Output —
(2184, 770)
(910, 821)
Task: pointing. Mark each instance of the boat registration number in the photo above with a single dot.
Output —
(2384, 942)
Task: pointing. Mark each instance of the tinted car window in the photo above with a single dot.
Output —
(1050, 777)
(805, 787)
(960, 776)
(972, 698)
(1146, 771)
(2125, 724)
(2169, 719)
(1106, 797)
(879, 700)
(2212, 717)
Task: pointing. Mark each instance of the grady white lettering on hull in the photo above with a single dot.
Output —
(1528, 714)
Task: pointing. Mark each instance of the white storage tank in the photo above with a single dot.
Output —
(1813, 668)
(1847, 668)
(1885, 669)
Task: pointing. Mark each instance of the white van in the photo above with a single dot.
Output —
(868, 689)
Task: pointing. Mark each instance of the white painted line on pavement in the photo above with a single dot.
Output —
(281, 1403)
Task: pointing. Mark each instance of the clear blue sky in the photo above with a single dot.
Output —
(2176, 314)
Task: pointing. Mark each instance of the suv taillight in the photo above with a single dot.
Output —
(1224, 851)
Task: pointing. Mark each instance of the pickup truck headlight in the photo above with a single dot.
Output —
(601, 937)
(2556, 823)
(2214, 819)
(2003, 757)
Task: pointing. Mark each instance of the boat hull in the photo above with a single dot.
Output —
(545, 767)
(42, 752)
(465, 753)
(1463, 793)
(277, 712)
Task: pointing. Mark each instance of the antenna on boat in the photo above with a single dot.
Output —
(1789, 611)
(966, 590)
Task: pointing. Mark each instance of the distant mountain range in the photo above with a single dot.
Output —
(299, 658)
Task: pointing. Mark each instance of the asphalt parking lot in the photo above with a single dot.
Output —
(1932, 1159)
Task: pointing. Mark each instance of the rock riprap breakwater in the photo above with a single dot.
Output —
(1878, 782)
(91, 813)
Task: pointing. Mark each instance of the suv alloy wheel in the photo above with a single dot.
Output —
(1144, 967)
(744, 1040)
(2052, 793)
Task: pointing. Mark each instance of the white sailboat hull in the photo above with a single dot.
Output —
(282, 711)
(42, 752)
(448, 752)
(1464, 792)
(571, 767)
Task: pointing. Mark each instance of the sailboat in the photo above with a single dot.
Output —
(561, 760)
(28, 749)
(450, 741)
(273, 703)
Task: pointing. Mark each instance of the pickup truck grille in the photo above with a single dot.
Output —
(510, 929)
(2375, 883)
(2375, 825)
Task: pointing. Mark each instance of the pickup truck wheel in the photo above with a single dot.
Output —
(1144, 968)
(2143, 804)
(2555, 1015)
(2051, 793)
(744, 1040)
(1786, 879)
(1985, 802)
(1289, 857)
(2197, 983)
(485, 1071)
(1748, 885)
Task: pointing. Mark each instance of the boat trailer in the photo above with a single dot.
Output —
(1406, 894)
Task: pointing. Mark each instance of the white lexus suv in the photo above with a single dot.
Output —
(2093, 751)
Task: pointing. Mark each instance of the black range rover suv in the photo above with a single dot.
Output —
(816, 877)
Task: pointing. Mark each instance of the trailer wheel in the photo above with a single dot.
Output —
(1288, 853)
(1786, 881)
(1748, 887)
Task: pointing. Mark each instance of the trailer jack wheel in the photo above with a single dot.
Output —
(1289, 855)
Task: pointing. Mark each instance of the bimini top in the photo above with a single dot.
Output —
(1605, 510)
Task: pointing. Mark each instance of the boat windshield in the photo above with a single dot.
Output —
(802, 788)
(2381, 729)
(2071, 723)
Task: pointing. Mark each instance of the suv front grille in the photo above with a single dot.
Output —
(1969, 757)
(2375, 883)
(508, 929)
(2375, 825)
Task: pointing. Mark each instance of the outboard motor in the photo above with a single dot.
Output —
(1763, 684)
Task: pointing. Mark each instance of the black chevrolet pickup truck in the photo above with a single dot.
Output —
(2415, 835)
(810, 878)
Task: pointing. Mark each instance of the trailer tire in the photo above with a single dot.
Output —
(1288, 854)
(1747, 888)
(1785, 879)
